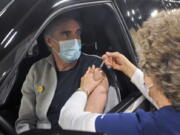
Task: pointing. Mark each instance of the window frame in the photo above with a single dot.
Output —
(6, 6)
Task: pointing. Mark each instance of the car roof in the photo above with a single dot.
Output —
(17, 11)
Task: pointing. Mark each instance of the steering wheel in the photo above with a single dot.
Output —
(6, 127)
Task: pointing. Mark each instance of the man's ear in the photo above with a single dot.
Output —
(48, 40)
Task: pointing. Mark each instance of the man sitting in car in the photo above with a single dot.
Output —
(52, 80)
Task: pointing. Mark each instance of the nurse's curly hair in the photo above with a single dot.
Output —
(159, 41)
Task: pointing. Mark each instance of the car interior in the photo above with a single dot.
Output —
(101, 32)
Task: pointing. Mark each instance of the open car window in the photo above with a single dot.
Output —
(101, 32)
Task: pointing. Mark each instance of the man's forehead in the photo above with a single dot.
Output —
(68, 25)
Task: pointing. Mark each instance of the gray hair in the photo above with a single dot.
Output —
(159, 41)
(56, 22)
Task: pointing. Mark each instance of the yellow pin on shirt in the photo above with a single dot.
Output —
(40, 89)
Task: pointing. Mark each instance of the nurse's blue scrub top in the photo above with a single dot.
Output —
(165, 121)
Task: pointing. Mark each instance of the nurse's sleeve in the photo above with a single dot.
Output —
(118, 124)
(73, 117)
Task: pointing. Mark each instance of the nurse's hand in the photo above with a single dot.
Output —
(119, 62)
(92, 78)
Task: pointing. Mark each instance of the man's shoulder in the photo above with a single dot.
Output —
(86, 61)
(40, 63)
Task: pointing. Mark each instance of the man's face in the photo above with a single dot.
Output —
(67, 30)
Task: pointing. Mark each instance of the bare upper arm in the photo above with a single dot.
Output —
(98, 98)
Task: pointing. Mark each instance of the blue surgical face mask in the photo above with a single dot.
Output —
(70, 50)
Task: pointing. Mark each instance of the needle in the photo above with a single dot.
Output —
(102, 64)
